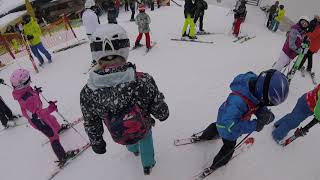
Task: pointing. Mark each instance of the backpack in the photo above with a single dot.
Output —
(252, 108)
(127, 127)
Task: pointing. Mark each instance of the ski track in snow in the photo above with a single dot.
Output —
(195, 80)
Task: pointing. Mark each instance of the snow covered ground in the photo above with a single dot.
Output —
(195, 79)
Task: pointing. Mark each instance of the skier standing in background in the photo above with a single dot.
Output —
(121, 98)
(314, 37)
(38, 117)
(201, 6)
(251, 94)
(132, 4)
(189, 10)
(143, 21)
(277, 19)
(308, 104)
(272, 11)
(239, 17)
(292, 45)
(89, 18)
(32, 31)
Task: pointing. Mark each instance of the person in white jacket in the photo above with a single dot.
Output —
(90, 21)
(89, 18)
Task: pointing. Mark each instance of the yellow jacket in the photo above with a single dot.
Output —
(33, 29)
(280, 15)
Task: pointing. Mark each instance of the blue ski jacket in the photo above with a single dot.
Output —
(230, 125)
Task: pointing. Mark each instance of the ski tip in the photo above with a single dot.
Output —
(249, 140)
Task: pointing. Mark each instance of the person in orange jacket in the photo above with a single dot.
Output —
(314, 47)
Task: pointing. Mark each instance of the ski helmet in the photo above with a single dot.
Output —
(109, 41)
(304, 22)
(272, 87)
(141, 7)
(20, 78)
(89, 4)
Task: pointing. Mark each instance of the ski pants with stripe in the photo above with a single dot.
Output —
(146, 150)
(148, 44)
(189, 22)
(300, 112)
(49, 129)
(226, 151)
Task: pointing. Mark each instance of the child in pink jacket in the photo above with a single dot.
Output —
(39, 118)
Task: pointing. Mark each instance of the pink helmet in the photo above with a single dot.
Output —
(20, 78)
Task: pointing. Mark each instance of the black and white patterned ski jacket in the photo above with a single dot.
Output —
(114, 91)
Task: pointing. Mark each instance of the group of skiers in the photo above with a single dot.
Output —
(127, 101)
(276, 15)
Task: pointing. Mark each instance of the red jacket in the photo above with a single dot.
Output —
(312, 97)
(315, 40)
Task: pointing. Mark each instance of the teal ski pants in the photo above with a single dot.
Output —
(146, 150)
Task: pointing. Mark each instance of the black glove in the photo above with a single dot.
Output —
(1, 81)
(99, 148)
(259, 126)
(29, 37)
(264, 116)
(38, 89)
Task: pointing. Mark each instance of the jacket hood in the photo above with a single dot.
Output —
(241, 84)
(97, 80)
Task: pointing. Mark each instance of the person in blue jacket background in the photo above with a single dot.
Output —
(251, 94)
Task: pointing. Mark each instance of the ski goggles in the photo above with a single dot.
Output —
(107, 45)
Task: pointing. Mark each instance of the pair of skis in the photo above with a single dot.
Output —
(69, 125)
(297, 63)
(243, 39)
(243, 146)
(191, 40)
(147, 50)
(311, 74)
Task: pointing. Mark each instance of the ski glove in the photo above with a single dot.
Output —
(52, 106)
(29, 37)
(38, 89)
(1, 81)
(264, 116)
(259, 126)
(100, 147)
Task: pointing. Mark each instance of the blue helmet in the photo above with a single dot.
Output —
(272, 87)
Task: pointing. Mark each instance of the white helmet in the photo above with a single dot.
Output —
(89, 4)
(304, 18)
(109, 40)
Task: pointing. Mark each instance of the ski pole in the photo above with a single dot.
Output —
(306, 128)
(64, 119)
(232, 150)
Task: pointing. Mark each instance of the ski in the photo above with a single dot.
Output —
(298, 133)
(199, 33)
(13, 126)
(59, 169)
(297, 63)
(191, 40)
(148, 50)
(136, 47)
(243, 147)
(313, 78)
(69, 125)
(247, 39)
(176, 3)
(239, 38)
(185, 141)
(82, 41)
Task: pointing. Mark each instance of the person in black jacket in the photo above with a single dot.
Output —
(112, 12)
(5, 112)
(189, 11)
(201, 6)
(239, 16)
(272, 12)
(314, 23)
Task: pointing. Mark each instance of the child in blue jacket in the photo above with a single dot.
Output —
(251, 94)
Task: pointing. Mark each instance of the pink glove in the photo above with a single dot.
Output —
(52, 106)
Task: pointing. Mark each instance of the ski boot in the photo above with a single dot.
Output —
(192, 37)
(137, 46)
(63, 127)
(147, 170)
(69, 155)
(14, 117)
(136, 153)
(184, 35)
(303, 70)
